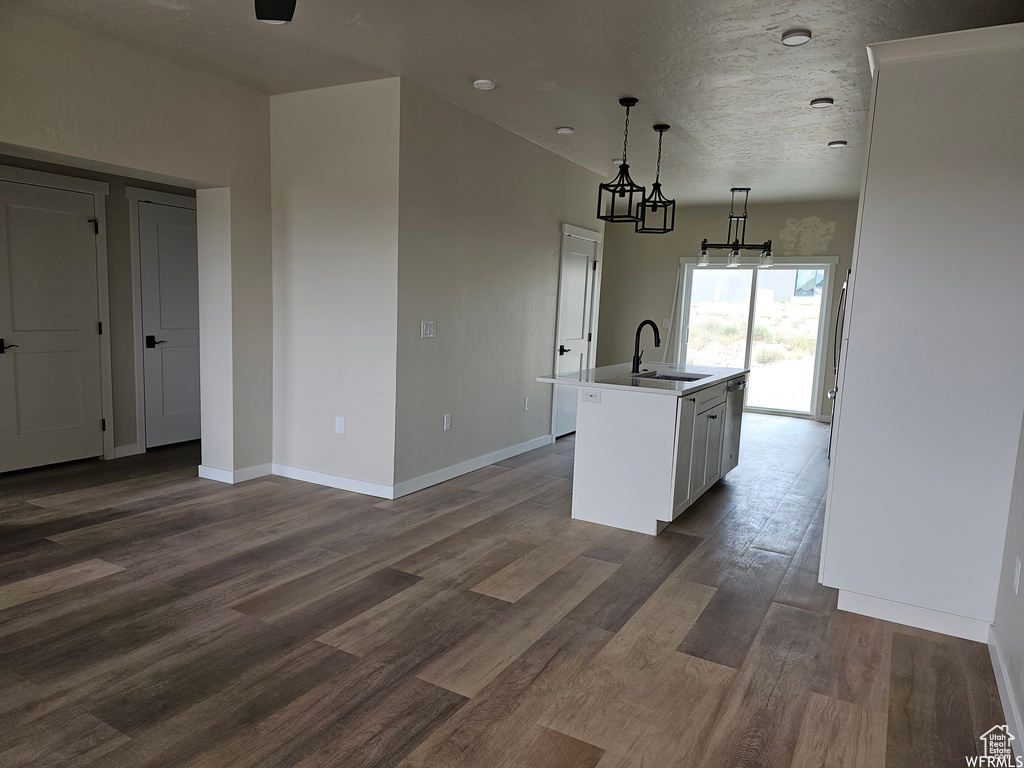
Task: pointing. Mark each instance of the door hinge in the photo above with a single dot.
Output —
(95, 226)
(595, 265)
(590, 336)
(100, 324)
(103, 425)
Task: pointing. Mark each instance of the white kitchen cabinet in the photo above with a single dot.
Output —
(706, 458)
(920, 485)
(685, 419)
(647, 445)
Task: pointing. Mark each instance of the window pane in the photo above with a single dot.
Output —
(719, 313)
(786, 314)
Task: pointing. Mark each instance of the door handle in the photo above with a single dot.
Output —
(151, 342)
(562, 349)
(713, 416)
(6, 346)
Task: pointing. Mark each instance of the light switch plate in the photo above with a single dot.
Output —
(592, 395)
(1016, 577)
(527, 404)
(428, 329)
(339, 425)
(447, 422)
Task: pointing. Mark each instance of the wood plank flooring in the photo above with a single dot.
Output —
(151, 618)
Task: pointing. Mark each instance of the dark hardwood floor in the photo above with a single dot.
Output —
(151, 618)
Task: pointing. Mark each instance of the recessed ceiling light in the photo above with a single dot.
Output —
(796, 37)
(483, 85)
(822, 103)
(836, 144)
(566, 131)
(275, 11)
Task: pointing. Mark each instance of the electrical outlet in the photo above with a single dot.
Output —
(339, 425)
(428, 329)
(527, 405)
(1016, 577)
(447, 422)
(592, 395)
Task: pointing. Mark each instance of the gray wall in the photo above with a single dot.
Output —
(640, 270)
(480, 237)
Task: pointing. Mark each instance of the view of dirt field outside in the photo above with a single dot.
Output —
(785, 334)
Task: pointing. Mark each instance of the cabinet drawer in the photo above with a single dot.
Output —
(711, 396)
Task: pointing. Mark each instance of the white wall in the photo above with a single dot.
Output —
(480, 233)
(640, 270)
(335, 175)
(78, 99)
(930, 416)
(1008, 629)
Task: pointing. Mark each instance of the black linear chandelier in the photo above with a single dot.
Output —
(738, 238)
(656, 212)
(617, 200)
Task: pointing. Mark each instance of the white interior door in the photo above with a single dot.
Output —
(51, 408)
(169, 271)
(576, 340)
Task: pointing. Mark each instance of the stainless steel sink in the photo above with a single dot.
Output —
(667, 376)
(681, 376)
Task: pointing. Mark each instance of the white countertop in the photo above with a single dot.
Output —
(619, 377)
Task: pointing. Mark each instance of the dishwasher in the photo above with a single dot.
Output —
(733, 421)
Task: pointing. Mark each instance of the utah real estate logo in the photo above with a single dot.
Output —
(998, 753)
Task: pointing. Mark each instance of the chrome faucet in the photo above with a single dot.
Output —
(637, 354)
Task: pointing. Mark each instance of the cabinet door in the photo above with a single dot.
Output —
(716, 428)
(698, 459)
(684, 446)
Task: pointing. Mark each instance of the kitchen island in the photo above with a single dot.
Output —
(649, 444)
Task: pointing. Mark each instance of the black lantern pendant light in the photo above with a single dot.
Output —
(618, 199)
(656, 213)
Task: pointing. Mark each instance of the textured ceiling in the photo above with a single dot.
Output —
(737, 100)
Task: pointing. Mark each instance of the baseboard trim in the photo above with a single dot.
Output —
(120, 451)
(334, 481)
(234, 476)
(448, 473)
(915, 616)
(1006, 697)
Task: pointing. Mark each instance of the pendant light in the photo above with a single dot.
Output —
(737, 221)
(656, 213)
(618, 199)
(275, 11)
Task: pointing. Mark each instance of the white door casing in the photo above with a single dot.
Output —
(52, 304)
(168, 339)
(579, 286)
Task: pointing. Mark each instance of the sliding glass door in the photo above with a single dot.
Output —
(768, 320)
(719, 317)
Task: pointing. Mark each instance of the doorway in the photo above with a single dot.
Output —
(165, 271)
(579, 286)
(768, 320)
